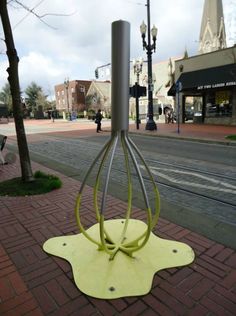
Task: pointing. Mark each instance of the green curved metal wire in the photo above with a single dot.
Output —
(114, 138)
(157, 203)
(106, 242)
(134, 245)
(78, 200)
(108, 176)
(118, 245)
(93, 164)
(103, 232)
(157, 194)
(129, 203)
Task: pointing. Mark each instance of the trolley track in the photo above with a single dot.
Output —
(209, 212)
(64, 151)
(171, 186)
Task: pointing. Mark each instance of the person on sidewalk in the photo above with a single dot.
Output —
(169, 116)
(98, 120)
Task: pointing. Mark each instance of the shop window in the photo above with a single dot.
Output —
(219, 104)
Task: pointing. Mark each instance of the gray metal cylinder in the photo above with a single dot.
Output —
(120, 76)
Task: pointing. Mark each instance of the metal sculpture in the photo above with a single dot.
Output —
(119, 257)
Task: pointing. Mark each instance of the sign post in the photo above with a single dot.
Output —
(178, 89)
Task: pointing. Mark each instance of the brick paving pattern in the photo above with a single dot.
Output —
(35, 283)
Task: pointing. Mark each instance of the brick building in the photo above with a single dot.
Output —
(70, 95)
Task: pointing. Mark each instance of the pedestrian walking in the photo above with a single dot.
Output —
(98, 120)
(169, 116)
(53, 116)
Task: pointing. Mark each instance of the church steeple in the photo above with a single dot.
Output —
(212, 34)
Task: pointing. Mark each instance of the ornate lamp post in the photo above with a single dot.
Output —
(137, 65)
(151, 125)
(66, 84)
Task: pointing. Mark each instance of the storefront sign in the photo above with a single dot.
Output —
(217, 85)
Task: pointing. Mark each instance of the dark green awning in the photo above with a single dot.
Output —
(210, 78)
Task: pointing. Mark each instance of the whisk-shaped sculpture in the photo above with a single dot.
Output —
(120, 124)
(124, 274)
(106, 241)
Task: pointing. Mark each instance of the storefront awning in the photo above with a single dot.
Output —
(210, 78)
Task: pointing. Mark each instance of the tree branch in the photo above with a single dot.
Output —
(40, 17)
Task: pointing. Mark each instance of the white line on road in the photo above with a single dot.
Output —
(155, 170)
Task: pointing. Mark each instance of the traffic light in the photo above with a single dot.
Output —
(137, 91)
(142, 91)
(96, 73)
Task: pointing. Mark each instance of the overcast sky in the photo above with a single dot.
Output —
(73, 46)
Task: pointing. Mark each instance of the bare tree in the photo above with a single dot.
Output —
(13, 78)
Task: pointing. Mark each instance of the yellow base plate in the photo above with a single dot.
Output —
(97, 276)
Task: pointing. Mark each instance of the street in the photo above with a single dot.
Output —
(196, 181)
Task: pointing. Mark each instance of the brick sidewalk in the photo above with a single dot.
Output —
(83, 127)
(190, 131)
(35, 283)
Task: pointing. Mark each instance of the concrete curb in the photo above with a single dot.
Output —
(191, 139)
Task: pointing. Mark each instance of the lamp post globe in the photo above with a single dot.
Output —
(154, 32)
(143, 29)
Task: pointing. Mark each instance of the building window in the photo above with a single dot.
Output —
(58, 93)
(62, 92)
(219, 103)
(94, 99)
(82, 89)
(72, 90)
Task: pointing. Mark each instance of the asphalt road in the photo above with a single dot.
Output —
(185, 149)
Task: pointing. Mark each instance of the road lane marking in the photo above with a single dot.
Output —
(229, 188)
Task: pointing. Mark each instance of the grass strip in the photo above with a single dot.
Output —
(42, 183)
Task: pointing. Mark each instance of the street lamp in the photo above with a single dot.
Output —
(66, 84)
(151, 125)
(137, 65)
